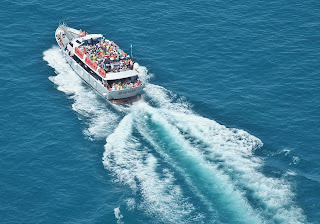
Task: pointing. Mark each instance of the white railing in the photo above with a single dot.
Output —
(64, 27)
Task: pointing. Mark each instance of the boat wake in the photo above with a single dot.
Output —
(180, 166)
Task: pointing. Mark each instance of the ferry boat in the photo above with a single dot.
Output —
(101, 64)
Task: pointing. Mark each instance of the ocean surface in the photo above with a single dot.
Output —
(227, 130)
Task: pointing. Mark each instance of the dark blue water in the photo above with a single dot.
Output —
(227, 132)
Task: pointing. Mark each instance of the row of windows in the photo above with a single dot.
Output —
(87, 68)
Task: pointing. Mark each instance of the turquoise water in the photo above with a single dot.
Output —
(227, 131)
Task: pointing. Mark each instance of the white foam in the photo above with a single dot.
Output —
(291, 173)
(131, 204)
(143, 74)
(101, 120)
(147, 134)
(286, 151)
(160, 197)
(118, 215)
(222, 187)
(234, 150)
(295, 160)
(221, 157)
(165, 99)
(133, 165)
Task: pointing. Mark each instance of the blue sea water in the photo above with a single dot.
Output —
(227, 131)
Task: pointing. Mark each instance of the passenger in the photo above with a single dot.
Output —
(103, 50)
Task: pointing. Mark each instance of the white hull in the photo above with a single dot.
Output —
(97, 85)
(113, 96)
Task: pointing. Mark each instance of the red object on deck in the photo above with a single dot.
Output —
(102, 72)
(79, 53)
(92, 64)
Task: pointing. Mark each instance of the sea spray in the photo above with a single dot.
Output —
(100, 118)
(217, 163)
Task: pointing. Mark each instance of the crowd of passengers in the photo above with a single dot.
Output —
(126, 84)
(107, 55)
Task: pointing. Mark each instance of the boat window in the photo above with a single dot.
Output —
(87, 68)
(71, 44)
(96, 76)
(78, 41)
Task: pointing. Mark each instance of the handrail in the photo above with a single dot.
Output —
(64, 28)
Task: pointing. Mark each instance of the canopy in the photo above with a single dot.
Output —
(120, 75)
(93, 36)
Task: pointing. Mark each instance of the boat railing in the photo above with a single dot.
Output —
(115, 62)
(128, 87)
(64, 27)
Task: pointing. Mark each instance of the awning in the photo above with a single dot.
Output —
(93, 36)
(120, 75)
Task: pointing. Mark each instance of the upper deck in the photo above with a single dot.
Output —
(100, 62)
(105, 54)
(102, 56)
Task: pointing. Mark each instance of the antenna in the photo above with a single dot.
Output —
(131, 50)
